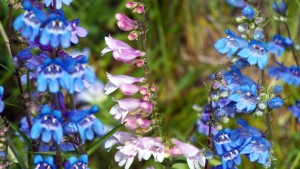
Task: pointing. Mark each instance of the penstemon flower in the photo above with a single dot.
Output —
(58, 4)
(80, 163)
(125, 23)
(41, 162)
(1, 97)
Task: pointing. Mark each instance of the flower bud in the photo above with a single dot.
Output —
(259, 21)
(146, 97)
(262, 105)
(143, 90)
(146, 106)
(153, 88)
(214, 96)
(218, 126)
(219, 74)
(209, 155)
(133, 35)
(131, 5)
(215, 85)
(239, 19)
(258, 113)
(224, 93)
(277, 89)
(248, 12)
(140, 9)
(175, 152)
(224, 119)
(275, 102)
(258, 34)
(140, 63)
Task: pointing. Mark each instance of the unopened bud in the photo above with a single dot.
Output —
(140, 9)
(262, 105)
(224, 119)
(240, 19)
(140, 63)
(258, 113)
(153, 88)
(133, 35)
(131, 5)
(143, 90)
(209, 155)
(242, 28)
(146, 97)
(215, 85)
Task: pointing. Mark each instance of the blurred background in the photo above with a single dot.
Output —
(181, 56)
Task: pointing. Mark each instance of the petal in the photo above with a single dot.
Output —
(81, 32)
(53, 85)
(89, 134)
(36, 130)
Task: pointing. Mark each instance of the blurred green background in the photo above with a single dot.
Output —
(181, 57)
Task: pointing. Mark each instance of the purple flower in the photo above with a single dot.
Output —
(56, 32)
(137, 122)
(193, 155)
(48, 124)
(76, 31)
(121, 51)
(125, 23)
(125, 83)
(58, 3)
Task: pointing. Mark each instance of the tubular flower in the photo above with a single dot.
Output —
(56, 32)
(193, 155)
(48, 123)
(125, 23)
(125, 83)
(30, 22)
(77, 163)
(53, 76)
(121, 51)
(124, 106)
(76, 31)
(41, 163)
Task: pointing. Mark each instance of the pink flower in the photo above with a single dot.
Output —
(124, 106)
(136, 121)
(140, 9)
(131, 5)
(193, 155)
(125, 83)
(125, 23)
(119, 137)
(121, 51)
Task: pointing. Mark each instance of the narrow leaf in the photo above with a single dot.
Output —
(24, 137)
(91, 149)
(16, 153)
(10, 70)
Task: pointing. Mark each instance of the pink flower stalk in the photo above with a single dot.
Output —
(124, 106)
(193, 155)
(118, 137)
(125, 83)
(121, 51)
(131, 5)
(125, 23)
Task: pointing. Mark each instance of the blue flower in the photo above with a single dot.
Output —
(277, 89)
(245, 98)
(52, 76)
(248, 12)
(243, 135)
(230, 44)
(1, 101)
(223, 142)
(41, 163)
(48, 123)
(237, 3)
(256, 53)
(84, 123)
(77, 163)
(58, 3)
(30, 22)
(80, 75)
(289, 75)
(231, 159)
(276, 46)
(56, 32)
(296, 110)
(279, 8)
(24, 55)
(275, 103)
(257, 150)
(76, 31)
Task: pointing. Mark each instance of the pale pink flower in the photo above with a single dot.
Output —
(194, 156)
(125, 23)
(131, 5)
(124, 106)
(121, 51)
(136, 121)
(125, 83)
(118, 137)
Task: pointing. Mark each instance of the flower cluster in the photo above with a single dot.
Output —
(54, 125)
(230, 145)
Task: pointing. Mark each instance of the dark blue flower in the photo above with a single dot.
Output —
(277, 89)
(48, 124)
(56, 32)
(30, 22)
(77, 163)
(245, 98)
(277, 71)
(1, 101)
(230, 44)
(256, 53)
(80, 75)
(279, 8)
(231, 159)
(258, 150)
(53, 76)
(223, 142)
(84, 123)
(248, 12)
(58, 3)
(41, 163)
(24, 55)
(275, 103)
(237, 3)
(289, 75)
(296, 110)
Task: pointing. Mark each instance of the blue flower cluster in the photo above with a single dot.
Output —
(289, 75)
(230, 145)
(296, 110)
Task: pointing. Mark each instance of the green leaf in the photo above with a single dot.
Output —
(16, 153)
(24, 137)
(296, 162)
(9, 69)
(91, 149)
